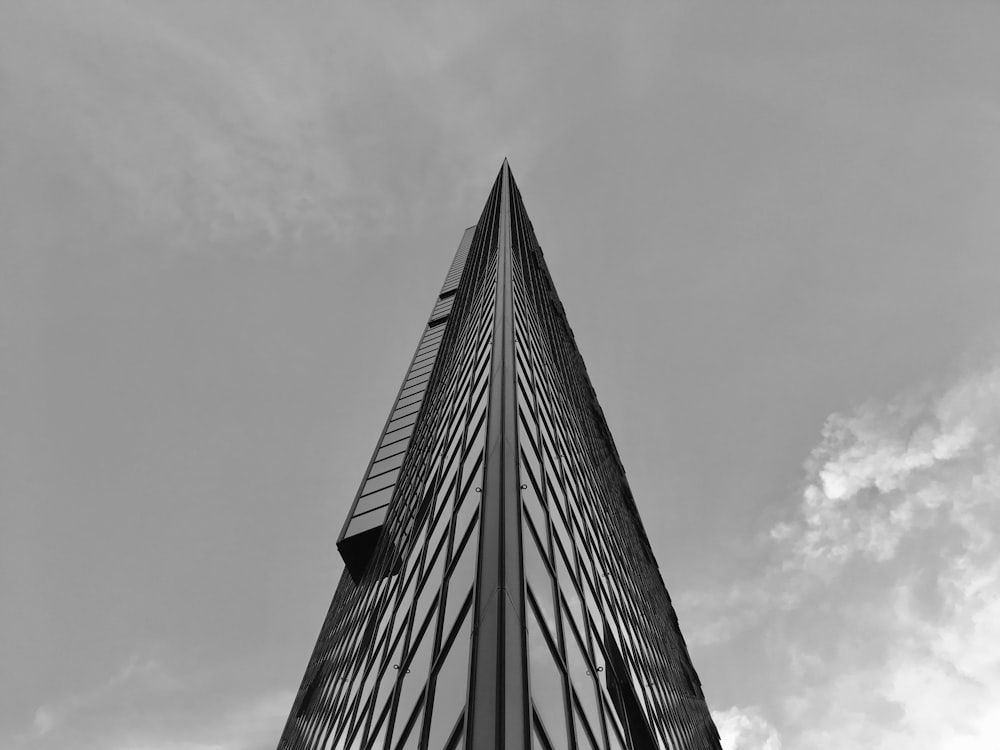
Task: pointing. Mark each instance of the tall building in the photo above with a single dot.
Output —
(499, 591)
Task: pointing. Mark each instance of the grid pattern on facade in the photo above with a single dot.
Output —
(371, 504)
(396, 642)
(569, 601)
(608, 664)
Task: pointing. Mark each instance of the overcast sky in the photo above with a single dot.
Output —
(774, 227)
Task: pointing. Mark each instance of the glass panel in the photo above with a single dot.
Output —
(574, 609)
(376, 499)
(447, 483)
(431, 336)
(585, 740)
(538, 742)
(412, 679)
(469, 504)
(539, 579)
(367, 521)
(461, 580)
(469, 466)
(457, 739)
(410, 398)
(546, 441)
(430, 588)
(403, 421)
(392, 462)
(391, 450)
(431, 343)
(411, 390)
(451, 686)
(417, 380)
(377, 737)
(592, 608)
(533, 505)
(410, 730)
(528, 426)
(530, 478)
(582, 678)
(378, 483)
(616, 735)
(439, 528)
(481, 374)
(388, 678)
(395, 443)
(398, 434)
(546, 685)
(403, 608)
(425, 357)
(479, 415)
(421, 368)
(373, 673)
(555, 492)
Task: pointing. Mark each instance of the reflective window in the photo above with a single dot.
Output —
(392, 462)
(413, 675)
(399, 434)
(451, 683)
(403, 421)
(380, 482)
(376, 499)
(538, 578)
(461, 577)
(547, 691)
(594, 602)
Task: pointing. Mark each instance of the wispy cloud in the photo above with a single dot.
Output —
(156, 127)
(168, 120)
(132, 709)
(141, 673)
(884, 586)
(255, 725)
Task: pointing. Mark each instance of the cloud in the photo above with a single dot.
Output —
(886, 472)
(140, 706)
(254, 725)
(880, 607)
(132, 114)
(745, 729)
(140, 672)
(167, 120)
(43, 722)
(157, 120)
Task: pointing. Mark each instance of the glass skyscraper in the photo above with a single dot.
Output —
(499, 590)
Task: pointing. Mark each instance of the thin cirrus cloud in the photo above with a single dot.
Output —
(143, 126)
(885, 586)
(71, 714)
(150, 693)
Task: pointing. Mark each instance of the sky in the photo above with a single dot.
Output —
(774, 229)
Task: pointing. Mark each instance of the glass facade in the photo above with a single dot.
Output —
(499, 591)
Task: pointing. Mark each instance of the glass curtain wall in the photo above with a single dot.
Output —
(390, 668)
(608, 667)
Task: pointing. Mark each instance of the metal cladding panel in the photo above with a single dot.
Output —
(363, 527)
(500, 589)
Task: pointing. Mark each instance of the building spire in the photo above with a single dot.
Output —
(500, 592)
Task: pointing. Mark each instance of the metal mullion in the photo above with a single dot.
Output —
(498, 695)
